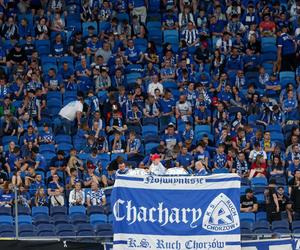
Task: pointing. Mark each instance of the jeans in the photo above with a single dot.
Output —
(64, 123)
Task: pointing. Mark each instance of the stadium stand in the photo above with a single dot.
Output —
(88, 86)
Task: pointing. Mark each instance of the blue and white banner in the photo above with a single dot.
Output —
(176, 212)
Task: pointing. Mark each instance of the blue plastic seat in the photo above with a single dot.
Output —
(60, 219)
(171, 36)
(281, 224)
(110, 218)
(41, 219)
(5, 211)
(98, 218)
(95, 210)
(275, 136)
(150, 146)
(43, 47)
(58, 210)
(104, 26)
(101, 227)
(261, 216)
(76, 210)
(64, 147)
(78, 219)
(149, 130)
(259, 181)
(248, 217)
(25, 219)
(26, 228)
(105, 157)
(65, 229)
(246, 225)
(45, 228)
(49, 148)
(8, 139)
(202, 129)
(6, 219)
(63, 139)
(261, 225)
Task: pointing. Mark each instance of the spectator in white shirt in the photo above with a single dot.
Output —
(77, 197)
(68, 114)
(155, 84)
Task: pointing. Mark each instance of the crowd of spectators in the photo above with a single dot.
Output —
(92, 87)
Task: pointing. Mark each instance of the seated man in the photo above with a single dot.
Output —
(96, 196)
(56, 192)
(248, 202)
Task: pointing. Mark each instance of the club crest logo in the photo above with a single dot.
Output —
(221, 215)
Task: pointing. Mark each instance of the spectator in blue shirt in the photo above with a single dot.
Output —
(272, 86)
(58, 47)
(295, 165)
(234, 61)
(220, 159)
(40, 161)
(185, 159)
(66, 71)
(188, 133)
(170, 139)
(286, 52)
(132, 54)
(53, 81)
(290, 107)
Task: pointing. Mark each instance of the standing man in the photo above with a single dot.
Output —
(286, 51)
(68, 114)
(272, 204)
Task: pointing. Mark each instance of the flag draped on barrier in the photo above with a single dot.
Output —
(176, 212)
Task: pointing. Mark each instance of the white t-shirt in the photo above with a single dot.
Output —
(153, 86)
(158, 169)
(253, 154)
(176, 171)
(69, 111)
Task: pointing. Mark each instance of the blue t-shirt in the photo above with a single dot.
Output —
(42, 161)
(166, 106)
(220, 160)
(133, 54)
(287, 44)
(184, 160)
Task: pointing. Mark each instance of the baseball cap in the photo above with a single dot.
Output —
(171, 124)
(155, 156)
(90, 165)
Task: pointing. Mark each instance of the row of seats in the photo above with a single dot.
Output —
(281, 226)
(61, 230)
(58, 210)
(74, 219)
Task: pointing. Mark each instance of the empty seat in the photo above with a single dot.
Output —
(5, 211)
(22, 210)
(41, 219)
(65, 230)
(60, 219)
(39, 210)
(103, 227)
(6, 220)
(24, 219)
(77, 210)
(78, 218)
(85, 230)
(58, 210)
(98, 218)
(248, 217)
(95, 210)
(281, 224)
